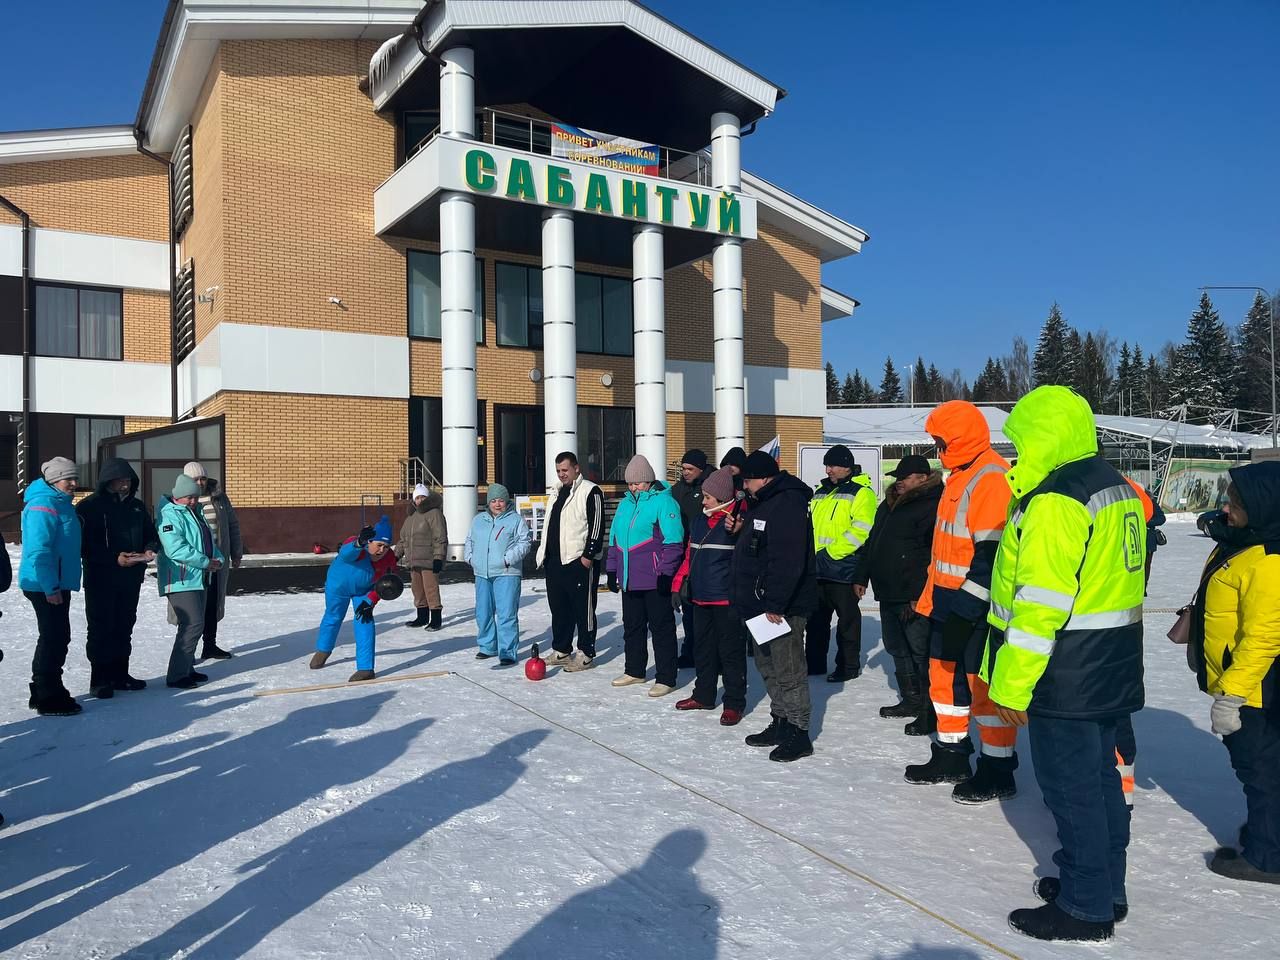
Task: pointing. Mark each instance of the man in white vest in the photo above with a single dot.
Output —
(571, 551)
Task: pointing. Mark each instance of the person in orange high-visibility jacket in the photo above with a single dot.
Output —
(956, 596)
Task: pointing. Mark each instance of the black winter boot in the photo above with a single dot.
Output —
(59, 704)
(795, 744)
(421, 618)
(944, 766)
(1227, 862)
(1048, 888)
(926, 721)
(908, 704)
(436, 616)
(993, 781)
(100, 685)
(770, 736)
(212, 651)
(1051, 923)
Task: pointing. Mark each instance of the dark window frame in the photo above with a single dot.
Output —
(408, 297)
(602, 352)
(79, 288)
(497, 339)
(151, 497)
(482, 466)
(584, 456)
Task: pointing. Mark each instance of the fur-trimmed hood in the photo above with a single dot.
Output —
(930, 488)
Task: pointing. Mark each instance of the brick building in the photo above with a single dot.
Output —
(398, 237)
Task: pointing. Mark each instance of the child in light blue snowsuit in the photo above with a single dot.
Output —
(360, 562)
(496, 548)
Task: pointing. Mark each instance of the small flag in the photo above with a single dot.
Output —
(774, 448)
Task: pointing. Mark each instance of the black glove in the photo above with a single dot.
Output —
(366, 534)
(613, 582)
(664, 583)
(956, 633)
(364, 612)
(437, 566)
(675, 601)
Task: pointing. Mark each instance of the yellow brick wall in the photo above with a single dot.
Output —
(303, 152)
(310, 451)
(203, 240)
(138, 424)
(124, 196)
(146, 326)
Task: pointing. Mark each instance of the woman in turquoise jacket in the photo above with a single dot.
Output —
(48, 574)
(496, 547)
(188, 557)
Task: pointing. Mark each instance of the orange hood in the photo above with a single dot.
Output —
(965, 430)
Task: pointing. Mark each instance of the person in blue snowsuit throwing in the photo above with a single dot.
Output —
(360, 563)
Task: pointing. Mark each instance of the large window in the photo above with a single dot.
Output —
(424, 295)
(426, 435)
(83, 322)
(89, 431)
(519, 305)
(604, 315)
(606, 442)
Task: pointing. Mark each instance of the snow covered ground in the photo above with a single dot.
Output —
(481, 815)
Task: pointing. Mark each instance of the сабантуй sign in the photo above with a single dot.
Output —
(575, 187)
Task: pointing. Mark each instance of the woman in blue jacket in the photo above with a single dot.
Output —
(189, 557)
(496, 547)
(48, 574)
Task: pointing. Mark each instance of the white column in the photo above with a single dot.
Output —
(458, 311)
(649, 317)
(726, 262)
(559, 338)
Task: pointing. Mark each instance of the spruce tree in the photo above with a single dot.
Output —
(936, 386)
(1092, 371)
(919, 383)
(890, 384)
(1203, 372)
(1051, 362)
(1123, 381)
(833, 384)
(1253, 358)
(1138, 401)
(849, 393)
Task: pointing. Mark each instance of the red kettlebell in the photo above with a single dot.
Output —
(535, 668)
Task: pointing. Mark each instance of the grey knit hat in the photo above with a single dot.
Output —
(639, 470)
(59, 468)
(719, 485)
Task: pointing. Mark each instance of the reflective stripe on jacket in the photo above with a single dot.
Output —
(842, 515)
(1066, 590)
(971, 517)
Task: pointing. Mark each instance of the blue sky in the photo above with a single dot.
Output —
(1002, 154)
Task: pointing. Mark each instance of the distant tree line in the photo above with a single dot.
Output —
(1214, 366)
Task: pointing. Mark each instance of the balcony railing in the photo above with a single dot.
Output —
(527, 133)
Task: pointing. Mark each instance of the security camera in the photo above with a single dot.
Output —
(336, 301)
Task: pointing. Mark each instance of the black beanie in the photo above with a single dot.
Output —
(696, 458)
(839, 456)
(760, 466)
(736, 457)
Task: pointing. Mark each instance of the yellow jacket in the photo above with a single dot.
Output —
(1241, 634)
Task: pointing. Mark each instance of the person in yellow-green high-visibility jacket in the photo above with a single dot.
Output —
(843, 510)
(1064, 655)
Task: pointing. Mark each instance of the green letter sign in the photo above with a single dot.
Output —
(730, 214)
(699, 209)
(520, 181)
(635, 199)
(560, 185)
(668, 197)
(480, 168)
(598, 194)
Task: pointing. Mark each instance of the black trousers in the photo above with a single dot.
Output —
(689, 645)
(111, 608)
(719, 651)
(645, 612)
(1255, 757)
(54, 624)
(211, 610)
(906, 639)
(836, 599)
(571, 593)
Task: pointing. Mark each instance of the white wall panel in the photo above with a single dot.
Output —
(108, 388)
(10, 382)
(90, 258)
(770, 390)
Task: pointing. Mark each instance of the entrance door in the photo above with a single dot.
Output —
(521, 460)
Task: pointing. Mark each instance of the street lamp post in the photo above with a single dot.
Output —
(1271, 313)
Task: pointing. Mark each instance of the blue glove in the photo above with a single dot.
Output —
(364, 612)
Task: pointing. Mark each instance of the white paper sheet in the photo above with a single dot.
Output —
(764, 630)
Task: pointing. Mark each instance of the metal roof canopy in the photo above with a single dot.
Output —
(607, 65)
(904, 426)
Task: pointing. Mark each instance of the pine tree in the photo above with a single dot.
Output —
(890, 384)
(936, 386)
(833, 385)
(919, 382)
(1253, 358)
(849, 392)
(1203, 371)
(1051, 363)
